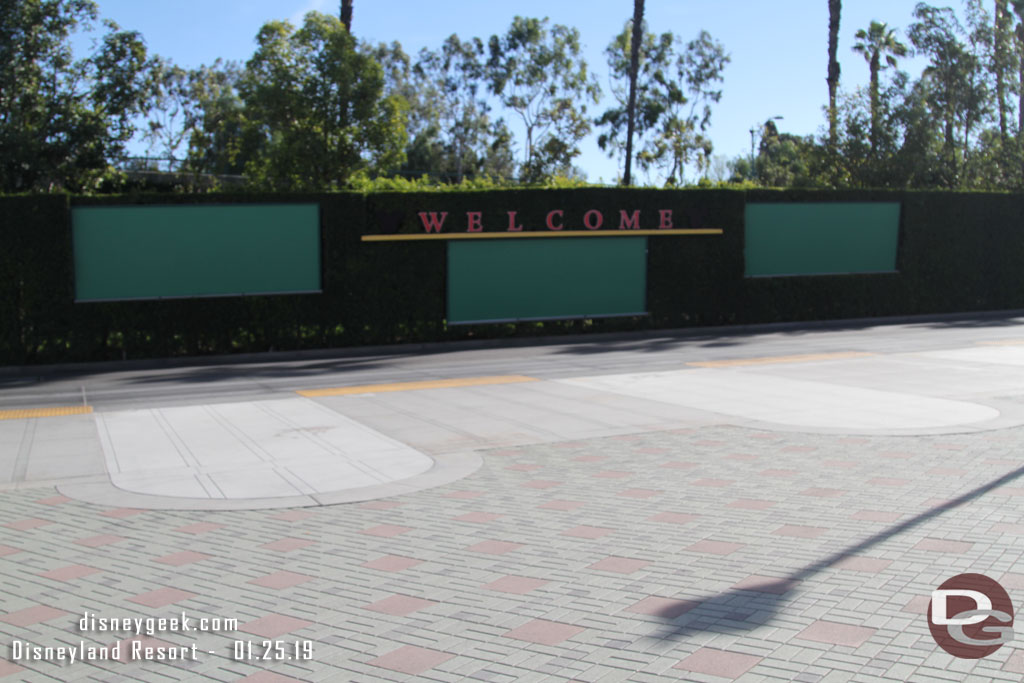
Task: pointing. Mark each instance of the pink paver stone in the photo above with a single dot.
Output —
(8, 550)
(1015, 662)
(1005, 528)
(639, 493)
(619, 565)
(517, 585)
(765, 584)
(381, 505)
(121, 513)
(751, 504)
(778, 473)
(544, 632)
(1011, 581)
(27, 524)
(162, 597)
(281, 579)
(613, 474)
(876, 516)
(464, 495)
(69, 573)
(1008, 491)
(714, 547)
(832, 633)
(477, 517)
(713, 482)
(587, 532)
(411, 660)
(680, 465)
(542, 484)
(387, 530)
(494, 547)
(198, 528)
(869, 565)
(286, 545)
(97, 541)
(274, 625)
(8, 668)
(942, 546)
(666, 608)
(292, 515)
(673, 518)
(709, 442)
(823, 493)
(799, 531)
(399, 605)
(711, 662)
(919, 604)
(561, 505)
(53, 500)
(947, 471)
(182, 558)
(32, 615)
(391, 563)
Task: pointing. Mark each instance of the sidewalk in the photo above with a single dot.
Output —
(751, 518)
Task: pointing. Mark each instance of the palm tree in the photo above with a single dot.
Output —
(834, 8)
(634, 65)
(877, 41)
(346, 14)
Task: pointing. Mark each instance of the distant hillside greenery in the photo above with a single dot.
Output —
(317, 109)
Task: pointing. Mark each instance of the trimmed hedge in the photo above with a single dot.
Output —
(958, 252)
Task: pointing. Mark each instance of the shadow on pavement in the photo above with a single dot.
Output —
(747, 607)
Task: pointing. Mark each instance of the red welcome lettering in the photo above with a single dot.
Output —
(431, 223)
(473, 223)
(631, 222)
(587, 221)
(512, 226)
(551, 223)
(666, 218)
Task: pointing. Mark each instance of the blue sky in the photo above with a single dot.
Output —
(778, 49)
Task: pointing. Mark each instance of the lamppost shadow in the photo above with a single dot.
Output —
(751, 605)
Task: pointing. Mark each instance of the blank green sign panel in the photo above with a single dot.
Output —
(823, 238)
(153, 252)
(522, 279)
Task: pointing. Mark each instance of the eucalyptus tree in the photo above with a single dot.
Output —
(538, 73)
(876, 42)
(634, 63)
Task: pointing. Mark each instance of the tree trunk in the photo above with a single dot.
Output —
(346, 14)
(634, 65)
(1002, 17)
(834, 7)
(1020, 76)
(875, 67)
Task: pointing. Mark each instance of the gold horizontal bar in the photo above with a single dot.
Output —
(413, 386)
(802, 358)
(22, 413)
(553, 233)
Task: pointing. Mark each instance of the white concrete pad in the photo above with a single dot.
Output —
(791, 402)
(997, 355)
(255, 449)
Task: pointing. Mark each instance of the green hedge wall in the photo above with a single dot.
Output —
(957, 252)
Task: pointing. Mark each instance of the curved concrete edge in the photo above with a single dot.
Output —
(448, 467)
(1010, 415)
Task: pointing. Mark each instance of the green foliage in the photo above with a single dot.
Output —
(674, 92)
(538, 73)
(317, 105)
(62, 121)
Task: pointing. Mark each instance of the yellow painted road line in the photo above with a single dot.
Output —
(23, 413)
(1001, 342)
(413, 386)
(553, 233)
(802, 358)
